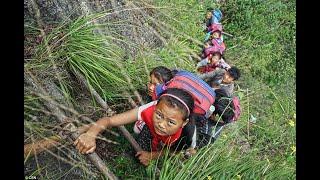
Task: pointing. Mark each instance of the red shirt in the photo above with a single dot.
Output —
(145, 113)
(207, 68)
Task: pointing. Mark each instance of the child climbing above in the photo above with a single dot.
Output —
(221, 78)
(214, 36)
(212, 16)
(212, 61)
(164, 121)
(158, 75)
(212, 45)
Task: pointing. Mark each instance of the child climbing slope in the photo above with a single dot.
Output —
(164, 121)
(212, 61)
(158, 75)
(222, 78)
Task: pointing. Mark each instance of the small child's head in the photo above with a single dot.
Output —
(214, 58)
(224, 106)
(172, 111)
(231, 75)
(216, 30)
(158, 75)
(209, 13)
(216, 34)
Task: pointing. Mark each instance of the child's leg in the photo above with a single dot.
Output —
(201, 123)
(144, 139)
(204, 131)
(212, 129)
(216, 131)
(187, 139)
(203, 140)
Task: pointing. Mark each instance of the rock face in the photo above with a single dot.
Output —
(136, 25)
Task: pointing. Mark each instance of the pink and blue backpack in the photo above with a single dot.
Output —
(202, 93)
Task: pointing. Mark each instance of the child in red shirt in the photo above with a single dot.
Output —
(164, 121)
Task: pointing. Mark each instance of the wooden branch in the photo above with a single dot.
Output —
(47, 143)
(94, 158)
(54, 141)
(39, 146)
(130, 100)
(48, 98)
(227, 34)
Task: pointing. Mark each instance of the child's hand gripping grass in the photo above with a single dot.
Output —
(145, 157)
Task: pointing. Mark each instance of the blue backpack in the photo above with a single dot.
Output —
(216, 16)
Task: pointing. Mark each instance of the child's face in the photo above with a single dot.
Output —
(167, 120)
(227, 78)
(209, 15)
(153, 82)
(215, 35)
(215, 58)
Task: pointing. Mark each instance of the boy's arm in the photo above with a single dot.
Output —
(210, 74)
(228, 89)
(86, 142)
(203, 62)
(116, 120)
(224, 64)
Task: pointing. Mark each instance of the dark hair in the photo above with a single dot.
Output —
(210, 9)
(223, 105)
(217, 53)
(172, 102)
(234, 72)
(211, 32)
(162, 73)
(174, 72)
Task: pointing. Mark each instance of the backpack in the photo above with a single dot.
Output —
(202, 93)
(216, 16)
(216, 48)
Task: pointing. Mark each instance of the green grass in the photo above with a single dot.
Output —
(263, 47)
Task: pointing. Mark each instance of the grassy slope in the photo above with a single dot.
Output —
(263, 47)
